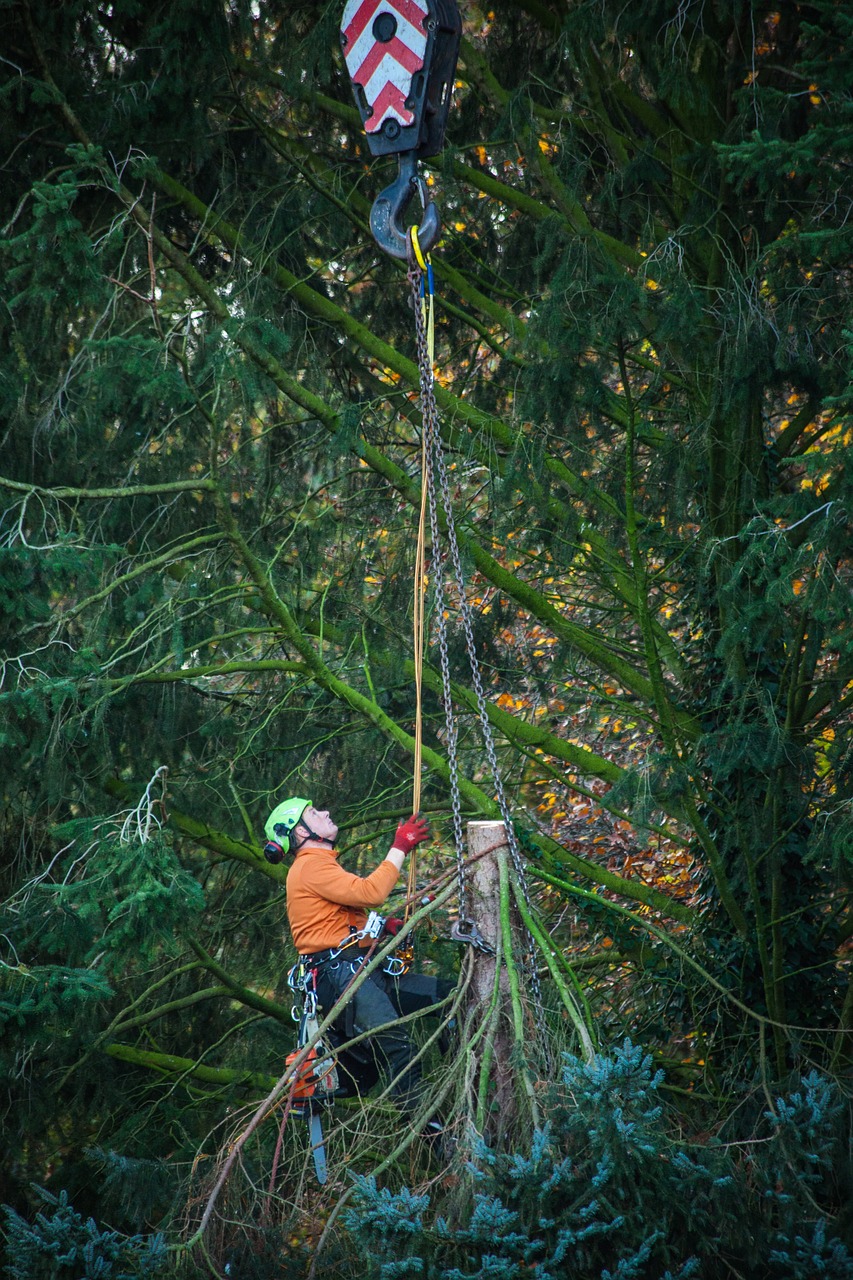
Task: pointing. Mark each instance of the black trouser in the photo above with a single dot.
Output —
(379, 1000)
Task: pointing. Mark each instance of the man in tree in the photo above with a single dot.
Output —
(327, 911)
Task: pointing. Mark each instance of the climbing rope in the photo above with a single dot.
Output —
(434, 467)
(425, 303)
(418, 628)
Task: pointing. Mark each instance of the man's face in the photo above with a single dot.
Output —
(320, 823)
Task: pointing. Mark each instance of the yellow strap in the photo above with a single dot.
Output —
(427, 307)
(431, 332)
(416, 245)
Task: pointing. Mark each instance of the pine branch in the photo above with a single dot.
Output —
(644, 922)
(178, 1005)
(247, 666)
(557, 966)
(238, 991)
(174, 553)
(592, 647)
(204, 834)
(120, 491)
(170, 1064)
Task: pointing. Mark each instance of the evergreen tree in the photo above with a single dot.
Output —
(61, 1245)
(608, 1189)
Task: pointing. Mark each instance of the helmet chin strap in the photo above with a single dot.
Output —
(313, 835)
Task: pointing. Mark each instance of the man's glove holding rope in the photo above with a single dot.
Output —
(411, 833)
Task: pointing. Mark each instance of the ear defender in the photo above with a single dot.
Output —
(279, 827)
(275, 850)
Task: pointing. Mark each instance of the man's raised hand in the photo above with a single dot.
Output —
(410, 833)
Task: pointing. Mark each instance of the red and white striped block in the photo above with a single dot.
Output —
(384, 68)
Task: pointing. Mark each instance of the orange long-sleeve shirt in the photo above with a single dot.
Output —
(324, 900)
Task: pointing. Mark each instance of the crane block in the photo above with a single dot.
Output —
(401, 58)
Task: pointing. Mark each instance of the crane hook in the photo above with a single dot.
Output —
(389, 209)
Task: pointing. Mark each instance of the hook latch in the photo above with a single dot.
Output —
(390, 206)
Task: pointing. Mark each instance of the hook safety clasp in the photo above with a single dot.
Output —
(390, 206)
(464, 930)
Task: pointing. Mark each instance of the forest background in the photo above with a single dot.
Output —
(209, 489)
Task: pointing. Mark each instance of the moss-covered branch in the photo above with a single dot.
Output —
(238, 990)
(169, 1064)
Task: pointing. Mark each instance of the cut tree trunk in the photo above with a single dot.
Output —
(491, 1067)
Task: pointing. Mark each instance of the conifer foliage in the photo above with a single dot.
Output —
(607, 1189)
(59, 1245)
(209, 486)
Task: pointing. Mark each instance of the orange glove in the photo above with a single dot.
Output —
(411, 833)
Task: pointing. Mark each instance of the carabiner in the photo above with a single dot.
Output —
(389, 208)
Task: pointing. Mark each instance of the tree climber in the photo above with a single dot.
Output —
(327, 912)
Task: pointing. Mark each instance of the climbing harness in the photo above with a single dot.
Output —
(401, 57)
(373, 928)
(316, 1080)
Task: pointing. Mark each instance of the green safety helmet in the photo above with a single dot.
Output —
(280, 824)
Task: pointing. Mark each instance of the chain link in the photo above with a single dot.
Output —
(436, 466)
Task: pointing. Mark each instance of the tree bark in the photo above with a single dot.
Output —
(489, 1015)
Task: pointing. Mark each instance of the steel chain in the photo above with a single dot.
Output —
(436, 463)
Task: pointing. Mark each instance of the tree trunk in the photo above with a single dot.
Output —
(489, 1014)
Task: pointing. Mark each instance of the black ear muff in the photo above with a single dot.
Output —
(273, 852)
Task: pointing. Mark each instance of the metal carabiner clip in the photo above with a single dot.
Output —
(389, 209)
